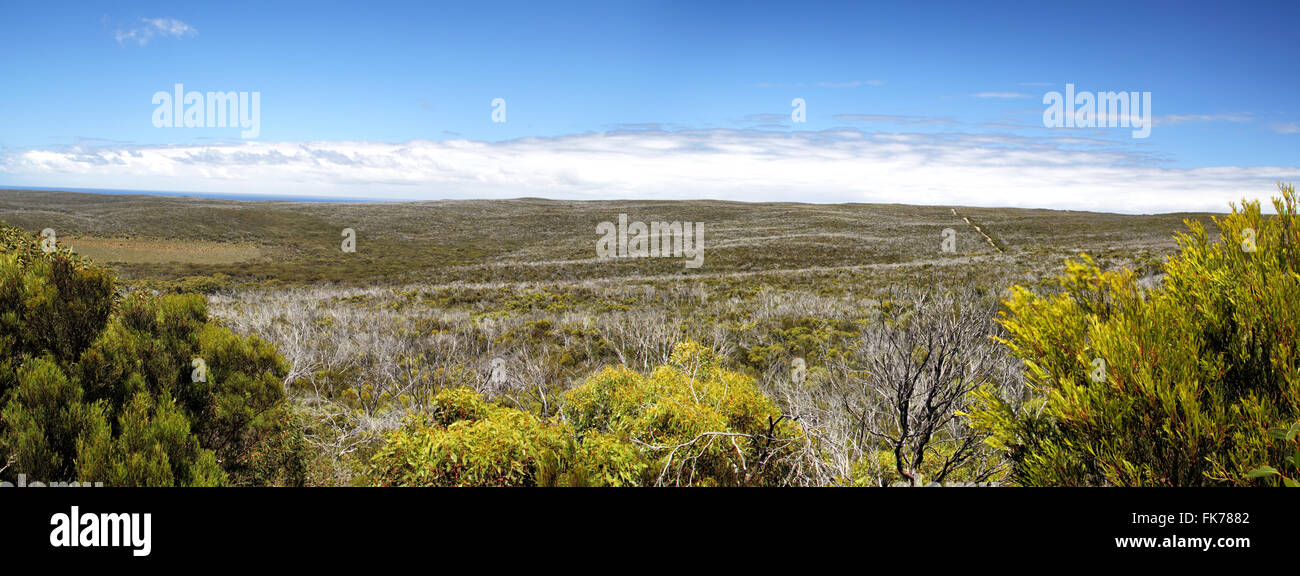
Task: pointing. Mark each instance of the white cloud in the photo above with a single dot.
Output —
(900, 119)
(747, 165)
(154, 27)
(1175, 119)
(823, 84)
(1287, 128)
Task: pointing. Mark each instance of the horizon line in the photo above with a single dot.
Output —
(270, 197)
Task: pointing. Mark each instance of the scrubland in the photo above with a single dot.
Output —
(483, 342)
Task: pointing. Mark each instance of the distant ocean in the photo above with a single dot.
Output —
(213, 195)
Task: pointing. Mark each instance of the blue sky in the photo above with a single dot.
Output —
(659, 99)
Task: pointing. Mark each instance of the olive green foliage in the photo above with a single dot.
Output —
(466, 441)
(688, 422)
(98, 388)
(52, 304)
(698, 423)
(1195, 382)
(527, 240)
(1291, 454)
(816, 340)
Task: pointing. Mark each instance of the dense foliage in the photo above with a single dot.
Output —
(135, 390)
(698, 423)
(466, 441)
(687, 423)
(1194, 382)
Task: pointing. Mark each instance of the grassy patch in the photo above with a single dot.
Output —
(157, 251)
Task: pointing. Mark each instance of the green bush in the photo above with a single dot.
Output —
(52, 303)
(43, 417)
(1185, 384)
(466, 441)
(152, 446)
(697, 423)
(689, 422)
(98, 388)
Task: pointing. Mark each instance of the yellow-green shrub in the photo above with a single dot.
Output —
(466, 441)
(697, 423)
(689, 422)
(1185, 384)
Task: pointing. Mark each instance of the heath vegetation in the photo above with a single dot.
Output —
(484, 343)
